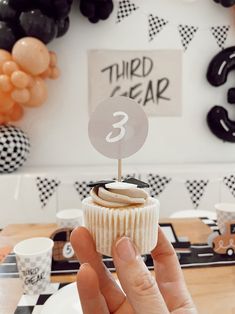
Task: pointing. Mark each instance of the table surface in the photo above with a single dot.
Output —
(212, 288)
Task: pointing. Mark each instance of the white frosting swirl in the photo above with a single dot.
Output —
(115, 198)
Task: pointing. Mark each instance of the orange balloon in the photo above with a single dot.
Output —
(4, 56)
(32, 55)
(6, 103)
(5, 83)
(38, 93)
(21, 96)
(20, 79)
(16, 113)
(9, 67)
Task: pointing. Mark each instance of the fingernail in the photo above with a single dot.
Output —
(125, 250)
(84, 265)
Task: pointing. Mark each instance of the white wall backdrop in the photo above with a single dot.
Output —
(58, 130)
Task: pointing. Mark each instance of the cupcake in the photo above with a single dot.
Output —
(121, 209)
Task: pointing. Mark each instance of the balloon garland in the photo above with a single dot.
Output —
(26, 26)
(22, 75)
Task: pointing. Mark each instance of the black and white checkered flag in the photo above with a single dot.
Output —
(157, 184)
(156, 24)
(125, 8)
(230, 183)
(220, 34)
(187, 33)
(82, 188)
(46, 187)
(196, 189)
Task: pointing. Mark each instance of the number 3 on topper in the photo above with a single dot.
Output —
(118, 127)
(218, 121)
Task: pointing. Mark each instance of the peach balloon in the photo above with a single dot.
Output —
(5, 83)
(31, 81)
(9, 67)
(4, 56)
(21, 96)
(6, 103)
(20, 79)
(55, 73)
(53, 59)
(4, 119)
(46, 74)
(38, 93)
(16, 113)
(32, 55)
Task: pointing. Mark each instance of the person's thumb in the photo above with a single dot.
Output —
(137, 282)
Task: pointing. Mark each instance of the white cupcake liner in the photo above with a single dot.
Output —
(107, 224)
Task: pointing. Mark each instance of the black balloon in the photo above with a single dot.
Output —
(7, 13)
(96, 10)
(87, 8)
(105, 10)
(45, 6)
(94, 19)
(226, 3)
(22, 5)
(63, 26)
(231, 96)
(61, 8)
(36, 24)
(219, 68)
(7, 37)
(220, 124)
(43, 19)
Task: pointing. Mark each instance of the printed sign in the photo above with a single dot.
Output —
(118, 127)
(151, 78)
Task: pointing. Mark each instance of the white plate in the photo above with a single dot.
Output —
(65, 300)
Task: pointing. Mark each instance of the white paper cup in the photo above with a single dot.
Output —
(70, 218)
(33, 258)
(225, 212)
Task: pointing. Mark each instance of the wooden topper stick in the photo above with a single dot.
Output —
(119, 170)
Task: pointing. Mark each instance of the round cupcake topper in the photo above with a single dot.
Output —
(118, 127)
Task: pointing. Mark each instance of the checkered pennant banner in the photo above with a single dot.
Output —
(46, 187)
(156, 24)
(196, 189)
(157, 184)
(230, 183)
(220, 34)
(125, 8)
(82, 188)
(187, 34)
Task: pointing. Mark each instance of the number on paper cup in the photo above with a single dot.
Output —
(118, 127)
(68, 251)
